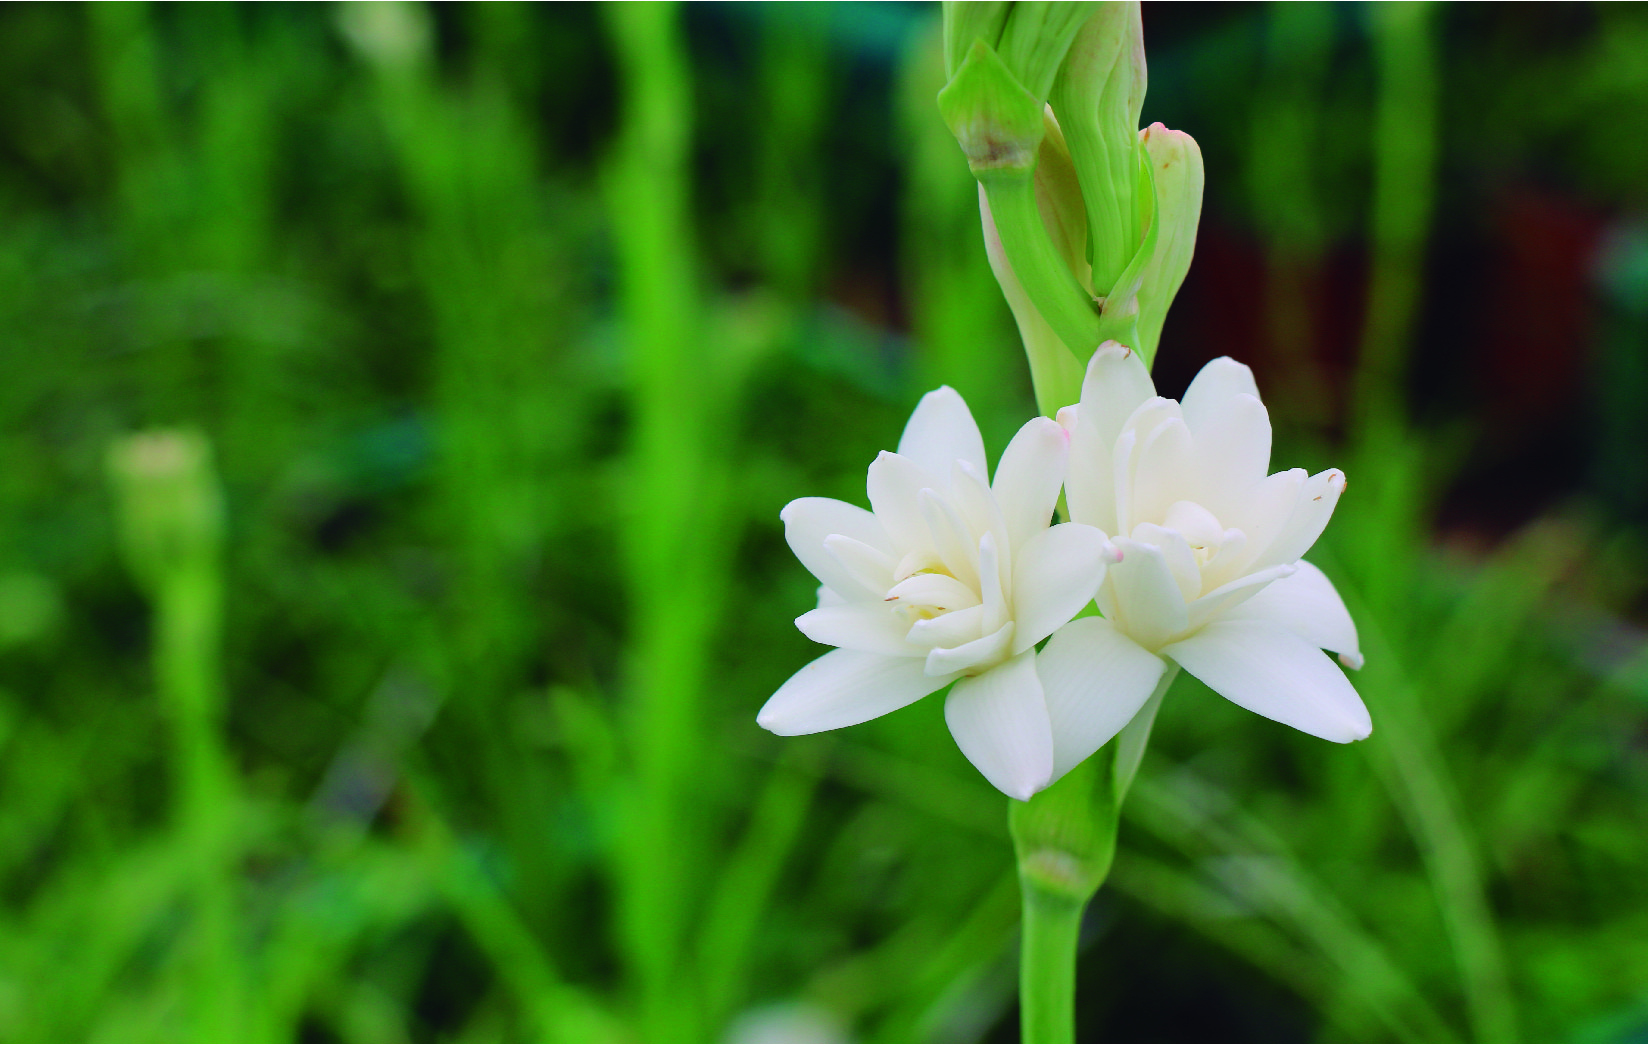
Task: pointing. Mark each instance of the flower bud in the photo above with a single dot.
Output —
(1089, 222)
(1176, 163)
(1098, 95)
(171, 514)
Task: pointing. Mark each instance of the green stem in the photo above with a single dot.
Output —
(187, 617)
(1065, 839)
(1047, 966)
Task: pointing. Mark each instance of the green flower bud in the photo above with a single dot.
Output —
(1098, 95)
(1176, 166)
(171, 514)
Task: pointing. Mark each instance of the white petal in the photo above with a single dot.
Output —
(1095, 679)
(1315, 506)
(976, 503)
(895, 484)
(941, 431)
(809, 520)
(1166, 471)
(950, 630)
(1263, 513)
(991, 591)
(1195, 523)
(1274, 672)
(957, 548)
(1000, 722)
(1125, 460)
(981, 653)
(872, 627)
(1227, 598)
(1307, 604)
(1029, 476)
(871, 568)
(1181, 561)
(1214, 386)
(1056, 574)
(1226, 565)
(1233, 451)
(843, 688)
(1148, 606)
(1115, 385)
(829, 597)
(933, 590)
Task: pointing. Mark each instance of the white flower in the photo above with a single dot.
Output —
(1210, 575)
(949, 578)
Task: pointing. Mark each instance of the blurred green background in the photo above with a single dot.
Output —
(510, 328)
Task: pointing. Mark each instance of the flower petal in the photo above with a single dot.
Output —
(1115, 385)
(872, 627)
(933, 590)
(1315, 506)
(1218, 382)
(941, 431)
(1057, 573)
(1147, 604)
(1028, 478)
(870, 568)
(1262, 514)
(1181, 561)
(1307, 604)
(809, 520)
(1166, 471)
(1233, 451)
(991, 590)
(1226, 598)
(990, 649)
(845, 687)
(999, 720)
(956, 547)
(976, 504)
(1272, 671)
(895, 484)
(1095, 679)
(949, 630)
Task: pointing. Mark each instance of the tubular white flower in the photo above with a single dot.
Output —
(1210, 576)
(949, 578)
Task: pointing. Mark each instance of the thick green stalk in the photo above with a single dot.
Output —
(1047, 966)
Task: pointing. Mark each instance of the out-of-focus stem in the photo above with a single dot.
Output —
(1403, 193)
(171, 528)
(671, 567)
(188, 612)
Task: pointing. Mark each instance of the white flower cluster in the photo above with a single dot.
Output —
(1189, 549)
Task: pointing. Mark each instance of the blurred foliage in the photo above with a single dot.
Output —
(512, 327)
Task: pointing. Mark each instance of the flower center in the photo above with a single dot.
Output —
(1198, 526)
(926, 589)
